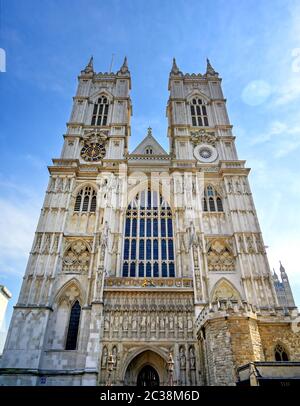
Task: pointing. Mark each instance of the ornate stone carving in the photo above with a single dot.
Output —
(77, 257)
(203, 137)
(250, 244)
(38, 242)
(104, 358)
(225, 291)
(229, 186)
(95, 136)
(238, 188)
(259, 245)
(46, 243)
(182, 357)
(220, 256)
(241, 244)
(115, 356)
(192, 357)
(194, 238)
(148, 282)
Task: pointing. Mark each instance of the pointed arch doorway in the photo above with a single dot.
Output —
(146, 368)
(148, 376)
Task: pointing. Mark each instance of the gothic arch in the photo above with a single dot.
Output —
(197, 93)
(138, 352)
(140, 186)
(217, 189)
(76, 257)
(281, 348)
(71, 242)
(61, 294)
(82, 186)
(58, 325)
(145, 184)
(94, 97)
(224, 289)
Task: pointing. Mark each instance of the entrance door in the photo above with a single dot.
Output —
(148, 377)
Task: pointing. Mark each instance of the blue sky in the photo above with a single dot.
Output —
(255, 46)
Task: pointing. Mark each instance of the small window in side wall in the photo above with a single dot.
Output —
(212, 201)
(280, 353)
(149, 151)
(86, 200)
(71, 343)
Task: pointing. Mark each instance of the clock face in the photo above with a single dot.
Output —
(93, 152)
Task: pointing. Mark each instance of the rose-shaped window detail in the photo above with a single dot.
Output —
(205, 153)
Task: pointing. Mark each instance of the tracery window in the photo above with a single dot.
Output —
(86, 200)
(211, 200)
(100, 111)
(72, 335)
(148, 237)
(280, 353)
(199, 113)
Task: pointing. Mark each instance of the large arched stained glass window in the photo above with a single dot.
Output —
(148, 249)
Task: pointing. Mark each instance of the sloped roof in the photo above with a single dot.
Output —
(149, 141)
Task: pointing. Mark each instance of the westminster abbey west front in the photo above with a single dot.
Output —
(149, 267)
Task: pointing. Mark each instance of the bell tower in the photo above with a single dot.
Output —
(202, 142)
(100, 115)
(197, 110)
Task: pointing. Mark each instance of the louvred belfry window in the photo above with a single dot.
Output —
(100, 112)
(199, 113)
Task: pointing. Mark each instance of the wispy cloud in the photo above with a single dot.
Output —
(283, 138)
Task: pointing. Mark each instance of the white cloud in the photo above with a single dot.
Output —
(288, 91)
(18, 221)
(285, 138)
(17, 224)
(256, 92)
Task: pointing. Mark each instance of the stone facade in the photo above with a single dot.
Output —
(146, 266)
(232, 334)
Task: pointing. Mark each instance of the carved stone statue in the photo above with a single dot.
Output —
(192, 358)
(178, 185)
(171, 323)
(241, 244)
(192, 235)
(182, 358)
(115, 356)
(259, 245)
(134, 323)
(125, 322)
(245, 187)
(250, 246)
(230, 187)
(238, 187)
(104, 357)
(153, 323)
(143, 323)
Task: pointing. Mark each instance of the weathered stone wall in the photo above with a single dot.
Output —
(279, 333)
(219, 355)
(231, 337)
(245, 341)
